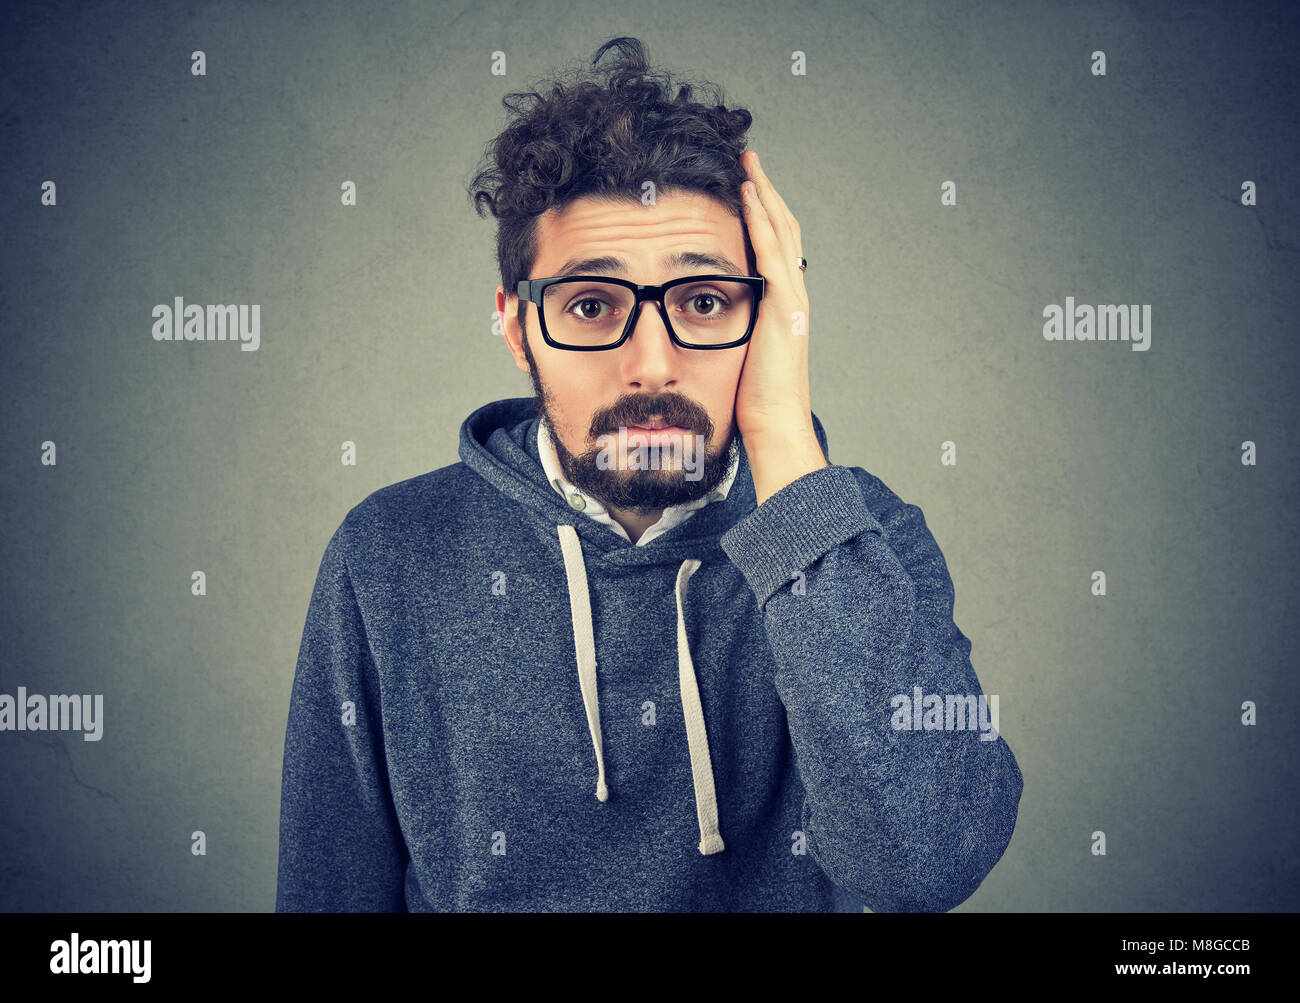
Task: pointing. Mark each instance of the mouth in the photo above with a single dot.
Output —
(655, 427)
(652, 435)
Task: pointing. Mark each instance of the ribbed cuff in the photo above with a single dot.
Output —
(796, 526)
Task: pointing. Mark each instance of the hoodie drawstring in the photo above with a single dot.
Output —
(584, 641)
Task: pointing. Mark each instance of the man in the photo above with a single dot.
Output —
(644, 647)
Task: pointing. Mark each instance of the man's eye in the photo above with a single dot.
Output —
(712, 301)
(589, 308)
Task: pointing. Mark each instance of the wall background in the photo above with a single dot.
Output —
(1123, 711)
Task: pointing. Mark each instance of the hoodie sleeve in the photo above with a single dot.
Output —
(857, 603)
(341, 849)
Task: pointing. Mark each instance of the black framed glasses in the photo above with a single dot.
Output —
(594, 313)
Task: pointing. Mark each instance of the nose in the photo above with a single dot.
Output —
(650, 359)
(651, 307)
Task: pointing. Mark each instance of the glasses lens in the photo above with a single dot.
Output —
(590, 314)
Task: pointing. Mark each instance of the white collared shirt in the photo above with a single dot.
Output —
(585, 503)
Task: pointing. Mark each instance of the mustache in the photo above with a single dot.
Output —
(672, 412)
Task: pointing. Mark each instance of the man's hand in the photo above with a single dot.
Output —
(773, 400)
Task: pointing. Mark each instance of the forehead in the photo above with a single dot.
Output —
(642, 235)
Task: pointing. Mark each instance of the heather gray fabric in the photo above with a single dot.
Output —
(779, 637)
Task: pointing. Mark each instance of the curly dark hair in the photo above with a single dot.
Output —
(606, 137)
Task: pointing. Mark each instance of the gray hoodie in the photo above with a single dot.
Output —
(502, 704)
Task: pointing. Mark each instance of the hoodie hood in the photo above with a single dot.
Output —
(499, 443)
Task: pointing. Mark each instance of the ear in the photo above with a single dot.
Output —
(507, 311)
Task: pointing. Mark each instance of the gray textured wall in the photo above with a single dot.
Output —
(1123, 711)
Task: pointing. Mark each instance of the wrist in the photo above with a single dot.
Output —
(779, 457)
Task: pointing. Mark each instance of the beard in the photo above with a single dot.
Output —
(646, 490)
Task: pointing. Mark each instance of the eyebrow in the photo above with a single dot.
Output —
(679, 260)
